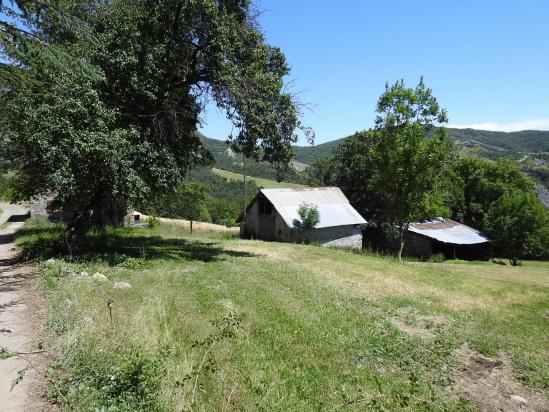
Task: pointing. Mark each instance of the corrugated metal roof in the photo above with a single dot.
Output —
(333, 206)
(448, 231)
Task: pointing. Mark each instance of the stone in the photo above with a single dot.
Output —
(519, 399)
(49, 262)
(99, 277)
(122, 285)
(84, 274)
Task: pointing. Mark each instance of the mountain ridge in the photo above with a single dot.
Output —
(501, 143)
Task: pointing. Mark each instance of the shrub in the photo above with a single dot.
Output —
(437, 258)
(153, 222)
(128, 381)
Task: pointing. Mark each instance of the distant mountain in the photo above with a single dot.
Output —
(530, 148)
(483, 143)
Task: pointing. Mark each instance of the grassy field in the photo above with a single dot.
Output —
(265, 183)
(217, 323)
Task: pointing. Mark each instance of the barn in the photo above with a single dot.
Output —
(273, 215)
(453, 239)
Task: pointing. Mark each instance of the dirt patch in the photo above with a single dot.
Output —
(490, 384)
(416, 324)
(22, 317)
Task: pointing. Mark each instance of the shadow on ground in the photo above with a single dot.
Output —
(18, 218)
(115, 246)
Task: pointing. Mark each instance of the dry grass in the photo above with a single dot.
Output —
(203, 227)
(266, 183)
(377, 278)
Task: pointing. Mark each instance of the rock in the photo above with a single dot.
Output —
(82, 276)
(122, 285)
(99, 277)
(519, 399)
(49, 262)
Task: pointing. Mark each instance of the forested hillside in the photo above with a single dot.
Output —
(482, 142)
(529, 147)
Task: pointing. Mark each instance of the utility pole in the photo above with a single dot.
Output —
(244, 189)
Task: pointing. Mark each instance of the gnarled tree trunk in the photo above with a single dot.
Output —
(97, 214)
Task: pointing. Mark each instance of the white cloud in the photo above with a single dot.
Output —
(535, 124)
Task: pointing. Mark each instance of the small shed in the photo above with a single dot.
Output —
(273, 215)
(446, 236)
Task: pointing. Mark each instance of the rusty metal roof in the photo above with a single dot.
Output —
(333, 206)
(448, 231)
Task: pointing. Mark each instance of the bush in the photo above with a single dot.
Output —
(437, 258)
(153, 222)
(128, 381)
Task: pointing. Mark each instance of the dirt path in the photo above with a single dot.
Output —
(20, 326)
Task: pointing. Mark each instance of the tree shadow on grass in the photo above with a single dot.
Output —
(116, 246)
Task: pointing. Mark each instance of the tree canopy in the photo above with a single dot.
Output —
(473, 185)
(114, 121)
(391, 173)
(519, 226)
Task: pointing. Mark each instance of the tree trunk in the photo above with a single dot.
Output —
(75, 230)
(97, 214)
(402, 229)
(191, 226)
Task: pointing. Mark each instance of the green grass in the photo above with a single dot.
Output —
(265, 183)
(6, 186)
(250, 325)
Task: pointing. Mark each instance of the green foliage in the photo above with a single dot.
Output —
(188, 202)
(125, 131)
(126, 381)
(6, 186)
(223, 202)
(234, 162)
(406, 165)
(321, 172)
(354, 174)
(309, 215)
(473, 185)
(519, 226)
(223, 211)
(153, 222)
(437, 258)
(392, 174)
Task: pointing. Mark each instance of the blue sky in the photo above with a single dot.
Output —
(486, 61)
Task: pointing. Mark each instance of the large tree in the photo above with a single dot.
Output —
(475, 184)
(391, 173)
(104, 98)
(518, 225)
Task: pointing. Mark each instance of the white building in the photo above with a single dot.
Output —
(273, 215)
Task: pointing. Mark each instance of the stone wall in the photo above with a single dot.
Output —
(338, 236)
(39, 206)
(417, 245)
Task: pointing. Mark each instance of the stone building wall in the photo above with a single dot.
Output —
(39, 206)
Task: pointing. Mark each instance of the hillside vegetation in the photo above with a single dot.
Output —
(226, 324)
(265, 183)
(529, 147)
(488, 143)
